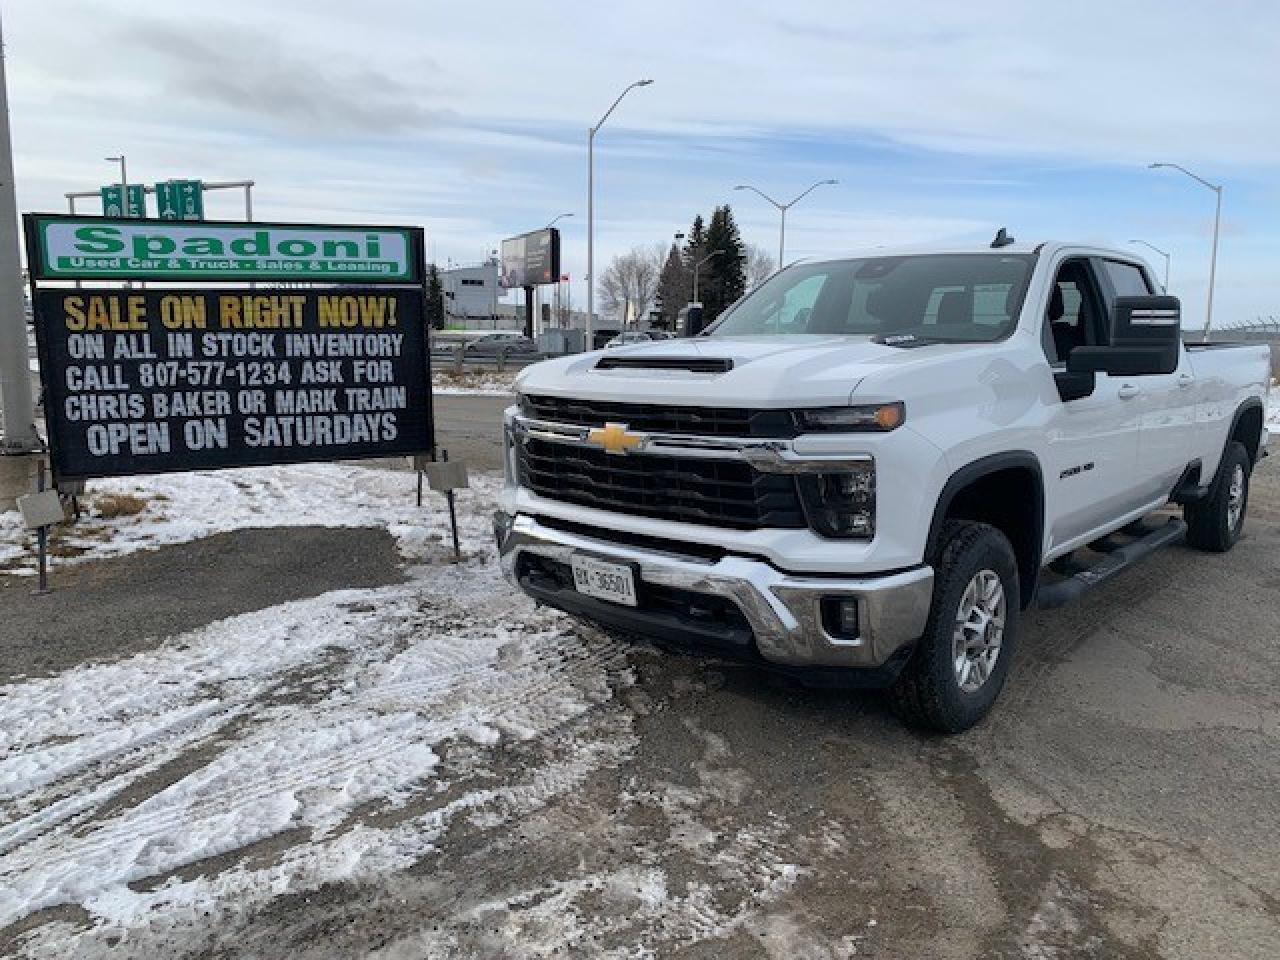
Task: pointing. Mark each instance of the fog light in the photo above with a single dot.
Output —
(841, 504)
(840, 617)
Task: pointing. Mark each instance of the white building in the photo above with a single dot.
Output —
(471, 294)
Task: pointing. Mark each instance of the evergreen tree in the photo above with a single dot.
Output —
(433, 309)
(674, 286)
(694, 243)
(726, 274)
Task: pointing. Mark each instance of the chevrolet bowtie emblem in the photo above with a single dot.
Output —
(616, 438)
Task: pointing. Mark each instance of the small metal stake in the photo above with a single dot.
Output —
(42, 538)
(453, 515)
(419, 488)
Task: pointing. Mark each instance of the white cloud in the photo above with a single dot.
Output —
(471, 118)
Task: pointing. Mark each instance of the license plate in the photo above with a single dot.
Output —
(615, 582)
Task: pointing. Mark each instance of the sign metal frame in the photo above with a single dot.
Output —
(312, 286)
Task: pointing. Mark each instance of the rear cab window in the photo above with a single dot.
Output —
(1127, 279)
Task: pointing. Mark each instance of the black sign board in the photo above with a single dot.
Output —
(190, 379)
(531, 259)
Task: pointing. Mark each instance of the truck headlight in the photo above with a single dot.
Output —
(841, 503)
(877, 417)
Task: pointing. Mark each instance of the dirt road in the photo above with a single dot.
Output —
(586, 798)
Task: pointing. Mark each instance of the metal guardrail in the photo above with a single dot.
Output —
(458, 359)
(1265, 328)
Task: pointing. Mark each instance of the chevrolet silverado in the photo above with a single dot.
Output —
(870, 466)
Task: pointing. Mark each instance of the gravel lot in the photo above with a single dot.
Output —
(383, 754)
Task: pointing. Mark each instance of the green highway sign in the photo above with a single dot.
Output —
(89, 248)
(180, 200)
(137, 201)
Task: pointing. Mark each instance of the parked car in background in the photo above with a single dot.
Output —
(628, 337)
(510, 344)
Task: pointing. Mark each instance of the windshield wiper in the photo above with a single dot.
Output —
(905, 340)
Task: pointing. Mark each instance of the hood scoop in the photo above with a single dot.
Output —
(670, 362)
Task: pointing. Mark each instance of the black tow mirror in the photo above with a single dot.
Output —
(1073, 385)
(1146, 338)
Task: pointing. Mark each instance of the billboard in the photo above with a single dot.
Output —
(531, 258)
(63, 247)
(190, 379)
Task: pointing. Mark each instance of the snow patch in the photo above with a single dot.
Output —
(183, 507)
(294, 746)
(489, 383)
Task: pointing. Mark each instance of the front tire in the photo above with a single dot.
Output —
(960, 664)
(1215, 523)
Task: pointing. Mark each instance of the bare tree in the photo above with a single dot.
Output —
(629, 284)
(760, 266)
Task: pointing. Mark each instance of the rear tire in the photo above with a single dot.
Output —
(1215, 523)
(960, 664)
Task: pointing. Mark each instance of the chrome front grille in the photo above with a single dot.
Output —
(660, 418)
(726, 492)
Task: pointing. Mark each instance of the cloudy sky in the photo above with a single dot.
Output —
(941, 120)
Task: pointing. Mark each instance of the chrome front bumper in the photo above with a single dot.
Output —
(783, 609)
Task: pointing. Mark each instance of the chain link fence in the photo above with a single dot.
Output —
(1260, 330)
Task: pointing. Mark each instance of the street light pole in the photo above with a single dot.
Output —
(783, 208)
(698, 266)
(1162, 253)
(557, 219)
(124, 182)
(1217, 222)
(591, 213)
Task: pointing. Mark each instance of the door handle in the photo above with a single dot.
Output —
(1127, 391)
(1186, 380)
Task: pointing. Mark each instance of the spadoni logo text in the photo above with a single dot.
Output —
(75, 248)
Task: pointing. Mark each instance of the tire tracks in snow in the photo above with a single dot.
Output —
(411, 679)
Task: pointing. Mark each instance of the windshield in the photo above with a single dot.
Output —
(961, 297)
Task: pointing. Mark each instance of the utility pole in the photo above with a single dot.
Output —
(20, 435)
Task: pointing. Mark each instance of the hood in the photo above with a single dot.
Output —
(763, 372)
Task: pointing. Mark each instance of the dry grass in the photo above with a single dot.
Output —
(110, 505)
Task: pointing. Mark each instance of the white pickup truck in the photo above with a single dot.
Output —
(875, 464)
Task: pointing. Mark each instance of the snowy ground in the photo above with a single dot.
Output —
(306, 738)
(436, 769)
(444, 381)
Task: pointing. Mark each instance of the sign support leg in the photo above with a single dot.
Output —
(42, 538)
(453, 516)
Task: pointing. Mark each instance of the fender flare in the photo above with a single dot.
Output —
(983, 467)
(1251, 403)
